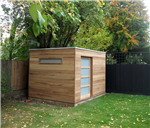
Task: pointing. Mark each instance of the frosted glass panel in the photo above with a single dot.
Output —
(85, 72)
(85, 81)
(85, 62)
(84, 91)
(50, 60)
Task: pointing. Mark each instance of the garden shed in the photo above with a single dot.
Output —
(66, 75)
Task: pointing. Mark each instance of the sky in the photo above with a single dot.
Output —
(147, 4)
(5, 35)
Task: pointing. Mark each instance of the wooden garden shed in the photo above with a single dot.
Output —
(66, 75)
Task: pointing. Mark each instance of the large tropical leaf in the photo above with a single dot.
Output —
(40, 19)
(36, 29)
(45, 18)
(33, 12)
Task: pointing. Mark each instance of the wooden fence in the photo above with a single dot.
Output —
(17, 72)
(19, 79)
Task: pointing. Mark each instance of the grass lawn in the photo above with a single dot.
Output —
(108, 111)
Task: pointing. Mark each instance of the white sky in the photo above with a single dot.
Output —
(5, 35)
(147, 4)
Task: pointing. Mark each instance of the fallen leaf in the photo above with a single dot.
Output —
(137, 119)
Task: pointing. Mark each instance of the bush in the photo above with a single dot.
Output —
(134, 59)
(110, 59)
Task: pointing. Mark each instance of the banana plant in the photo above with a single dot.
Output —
(21, 39)
(47, 14)
(16, 46)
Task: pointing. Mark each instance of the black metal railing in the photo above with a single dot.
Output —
(128, 58)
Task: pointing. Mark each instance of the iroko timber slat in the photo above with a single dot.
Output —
(62, 81)
(97, 72)
(52, 81)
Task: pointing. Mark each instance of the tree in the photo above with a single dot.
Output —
(93, 38)
(55, 22)
(91, 12)
(1, 34)
(93, 32)
(1, 42)
(128, 24)
(17, 45)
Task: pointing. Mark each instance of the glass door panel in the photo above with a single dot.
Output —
(85, 78)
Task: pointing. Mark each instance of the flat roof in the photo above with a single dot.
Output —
(66, 48)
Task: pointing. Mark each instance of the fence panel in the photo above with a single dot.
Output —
(111, 78)
(16, 73)
(6, 71)
(127, 77)
(19, 79)
(130, 79)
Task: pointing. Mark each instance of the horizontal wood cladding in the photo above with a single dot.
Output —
(61, 81)
(98, 72)
(99, 76)
(86, 53)
(52, 81)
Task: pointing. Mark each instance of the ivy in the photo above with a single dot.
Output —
(4, 86)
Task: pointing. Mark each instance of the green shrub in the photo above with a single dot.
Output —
(110, 59)
(134, 59)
